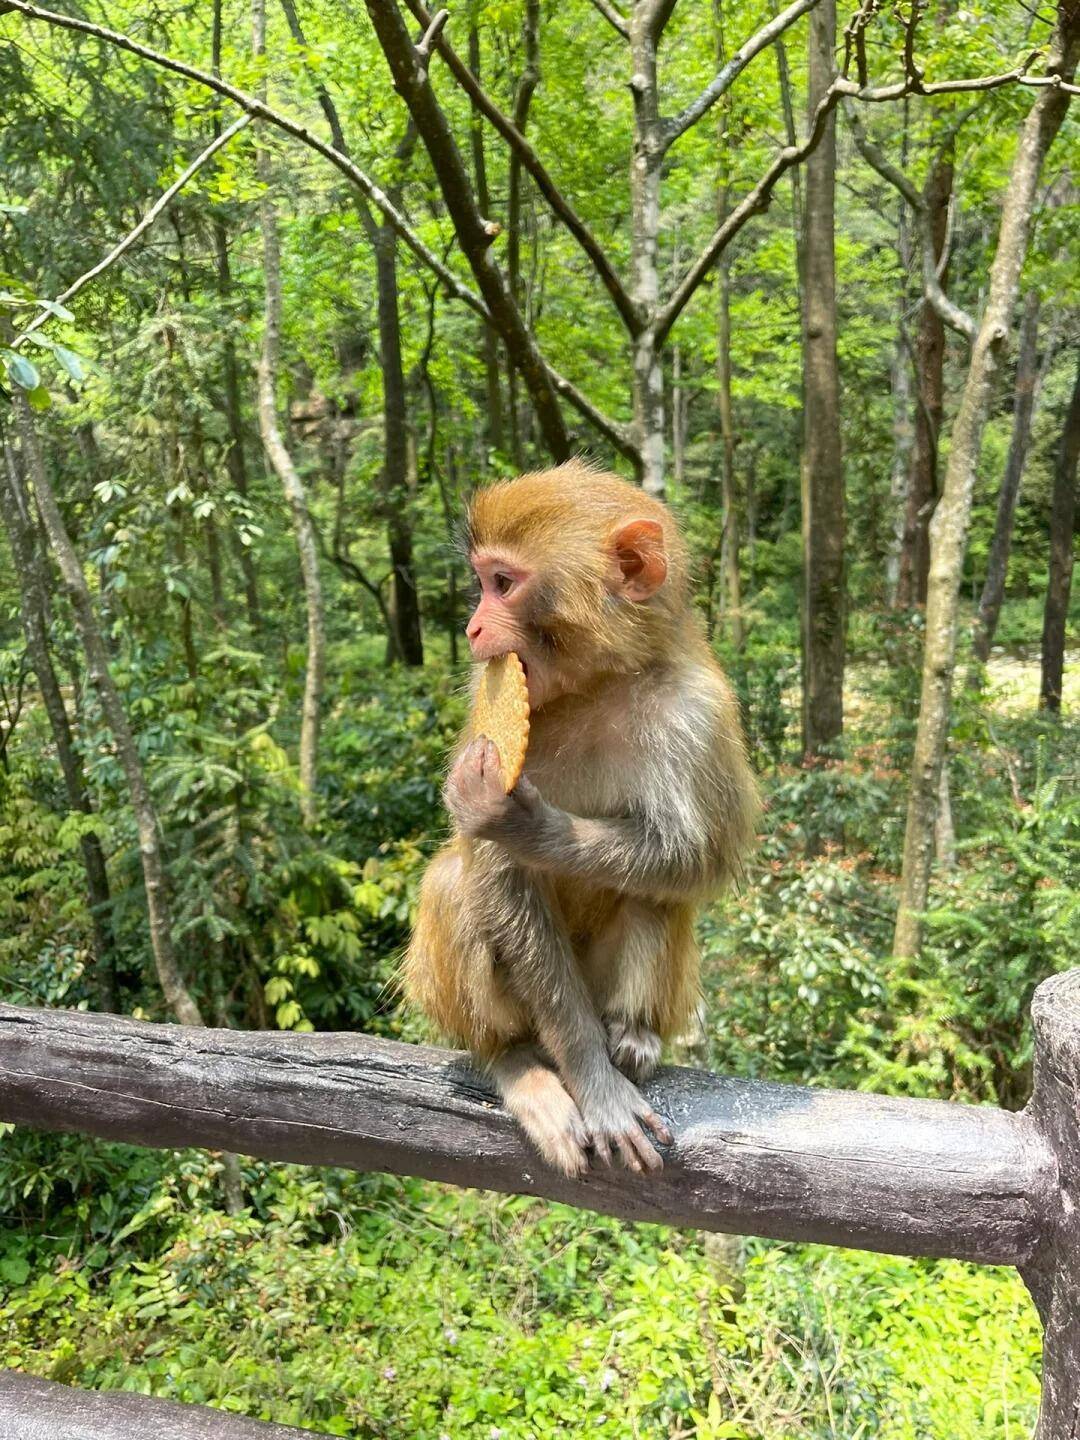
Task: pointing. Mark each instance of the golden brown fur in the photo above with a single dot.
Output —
(639, 802)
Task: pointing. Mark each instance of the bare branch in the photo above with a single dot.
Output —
(614, 18)
(1056, 81)
(431, 36)
(621, 436)
(260, 110)
(759, 198)
(530, 161)
(956, 318)
(160, 204)
(474, 231)
(733, 68)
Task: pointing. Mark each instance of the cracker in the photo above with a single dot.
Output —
(501, 712)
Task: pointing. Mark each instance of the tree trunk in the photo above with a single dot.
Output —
(1062, 524)
(678, 430)
(903, 440)
(475, 232)
(949, 528)
(1027, 371)
(798, 217)
(404, 604)
(234, 454)
(527, 83)
(929, 406)
(404, 635)
(730, 547)
(645, 171)
(493, 385)
(903, 430)
(34, 586)
(177, 996)
(823, 618)
(282, 463)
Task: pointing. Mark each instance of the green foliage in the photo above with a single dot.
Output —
(368, 1307)
(351, 1304)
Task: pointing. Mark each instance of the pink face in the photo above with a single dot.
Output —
(500, 621)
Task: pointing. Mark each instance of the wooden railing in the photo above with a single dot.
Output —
(910, 1177)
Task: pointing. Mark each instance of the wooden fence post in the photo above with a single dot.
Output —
(1053, 1277)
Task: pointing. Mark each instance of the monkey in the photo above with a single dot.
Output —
(554, 935)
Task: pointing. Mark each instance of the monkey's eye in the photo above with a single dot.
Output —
(502, 584)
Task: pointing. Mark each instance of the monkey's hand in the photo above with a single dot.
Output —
(475, 797)
(622, 1125)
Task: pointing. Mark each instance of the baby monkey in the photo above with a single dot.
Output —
(555, 932)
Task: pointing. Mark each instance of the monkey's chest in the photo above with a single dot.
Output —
(593, 781)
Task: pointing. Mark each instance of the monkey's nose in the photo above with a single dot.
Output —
(474, 630)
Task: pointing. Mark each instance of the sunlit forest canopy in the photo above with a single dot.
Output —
(281, 285)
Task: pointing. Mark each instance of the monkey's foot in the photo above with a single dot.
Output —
(634, 1048)
(555, 1127)
(617, 1116)
(538, 1100)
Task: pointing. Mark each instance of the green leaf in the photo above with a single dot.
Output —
(14, 1269)
(55, 308)
(71, 363)
(39, 397)
(21, 371)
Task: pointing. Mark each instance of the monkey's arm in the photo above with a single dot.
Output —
(633, 854)
(661, 856)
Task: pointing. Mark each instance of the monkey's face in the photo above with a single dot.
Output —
(574, 571)
(513, 607)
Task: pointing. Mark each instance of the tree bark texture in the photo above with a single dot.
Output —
(492, 380)
(34, 586)
(281, 462)
(929, 404)
(475, 232)
(177, 996)
(1062, 528)
(997, 565)
(235, 460)
(824, 604)
(949, 527)
(646, 163)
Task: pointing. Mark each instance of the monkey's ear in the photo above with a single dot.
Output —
(641, 563)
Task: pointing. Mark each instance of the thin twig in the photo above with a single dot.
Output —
(615, 19)
(160, 204)
(531, 162)
(260, 110)
(733, 68)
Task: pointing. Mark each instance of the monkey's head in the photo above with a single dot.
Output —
(580, 573)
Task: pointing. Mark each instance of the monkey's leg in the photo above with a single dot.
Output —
(451, 973)
(538, 1100)
(541, 970)
(643, 969)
